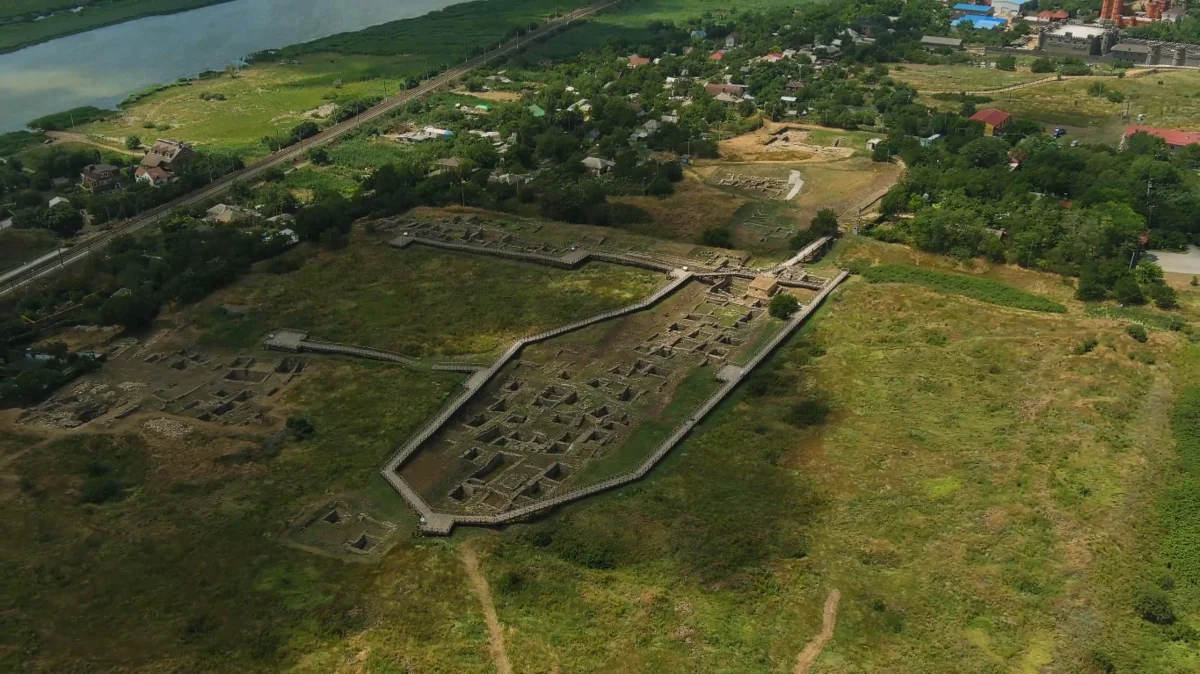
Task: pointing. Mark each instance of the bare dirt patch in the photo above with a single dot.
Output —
(502, 96)
(780, 142)
(812, 650)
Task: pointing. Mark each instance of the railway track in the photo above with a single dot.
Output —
(44, 267)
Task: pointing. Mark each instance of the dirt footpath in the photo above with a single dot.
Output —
(812, 650)
(479, 586)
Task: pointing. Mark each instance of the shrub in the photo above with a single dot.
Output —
(717, 237)
(1142, 357)
(300, 426)
(510, 582)
(1137, 332)
(783, 305)
(1087, 346)
(100, 490)
(808, 413)
(1154, 606)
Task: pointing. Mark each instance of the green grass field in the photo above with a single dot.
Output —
(419, 301)
(1167, 99)
(984, 290)
(929, 79)
(261, 100)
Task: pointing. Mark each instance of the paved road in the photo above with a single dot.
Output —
(287, 156)
(1178, 263)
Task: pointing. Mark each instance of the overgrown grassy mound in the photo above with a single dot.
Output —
(983, 290)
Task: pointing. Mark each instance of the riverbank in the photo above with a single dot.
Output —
(102, 67)
(20, 33)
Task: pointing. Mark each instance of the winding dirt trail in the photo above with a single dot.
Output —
(812, 649)
(479, 586)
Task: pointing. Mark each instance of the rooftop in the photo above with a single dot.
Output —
(980, 22)
(1078, 30)
(990, 116)
(1173, 137)
(968, 7)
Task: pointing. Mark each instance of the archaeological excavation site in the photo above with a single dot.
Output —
(587, 406)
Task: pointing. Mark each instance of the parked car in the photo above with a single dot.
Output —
(1060, 132)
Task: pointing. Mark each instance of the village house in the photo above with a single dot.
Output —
(98, 177)
(993, 120)
(717, 88)
(635, 61)
(598, 165)
(226, 214)
(169, 155)
(934, 43)
(1174, 138)
(732, 40)
(154, 175)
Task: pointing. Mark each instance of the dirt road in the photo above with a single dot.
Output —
(479, 586)
(812, 650)
(68, 137)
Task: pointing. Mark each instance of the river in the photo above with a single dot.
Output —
(103, 66)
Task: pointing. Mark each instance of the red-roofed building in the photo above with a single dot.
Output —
(718, 88)
(773, 57)
(993, 120)
(1174, 138)
(717, 56)
(635, 61)
(1058, 15)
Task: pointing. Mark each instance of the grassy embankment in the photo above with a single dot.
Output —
(16, 33)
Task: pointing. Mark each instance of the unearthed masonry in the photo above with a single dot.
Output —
(571, 411)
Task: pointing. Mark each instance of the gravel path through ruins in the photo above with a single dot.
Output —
(812, 650)
(479, 586)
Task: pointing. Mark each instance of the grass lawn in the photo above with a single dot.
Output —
(260, 100)
(419, 301)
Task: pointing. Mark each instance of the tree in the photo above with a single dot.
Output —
(824, 223)
(1008, 63)
(305, 130)
(133, 142)
(783, 305)
(1091, 286)
(1164, 296)
(1154, 606)
(717, 237)
(63, 220)
(1127, 290)
(319, 156)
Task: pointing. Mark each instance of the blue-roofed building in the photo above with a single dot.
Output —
(967, 9)
(980, 22)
